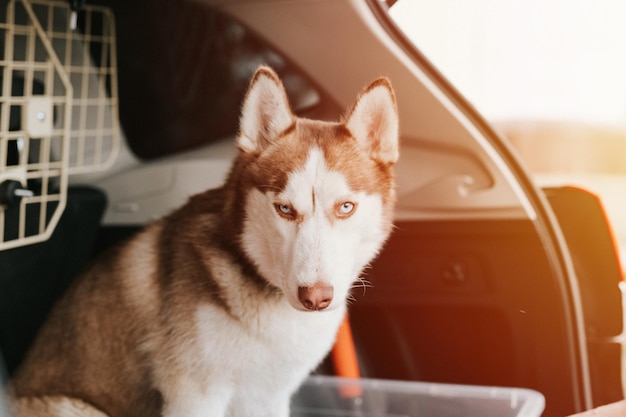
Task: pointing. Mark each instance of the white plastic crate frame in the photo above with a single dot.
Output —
(58, 110)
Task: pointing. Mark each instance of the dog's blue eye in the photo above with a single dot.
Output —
(285, 210)
(346, 208)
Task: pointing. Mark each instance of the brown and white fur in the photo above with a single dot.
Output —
(223, 307)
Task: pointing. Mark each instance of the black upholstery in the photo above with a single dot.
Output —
(33, 277)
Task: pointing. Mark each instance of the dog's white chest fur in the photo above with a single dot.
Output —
(261, 361)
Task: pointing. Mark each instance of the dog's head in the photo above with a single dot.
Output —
(318, 197)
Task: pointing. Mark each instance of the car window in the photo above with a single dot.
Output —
(548, 75)
(183, 69)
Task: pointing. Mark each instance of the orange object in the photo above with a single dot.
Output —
(609, 226)
(345, 359)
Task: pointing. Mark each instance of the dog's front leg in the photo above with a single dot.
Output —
(270, 405)
(188, 401)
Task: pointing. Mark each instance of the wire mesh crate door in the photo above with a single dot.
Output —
(58, 110)
(33, 175)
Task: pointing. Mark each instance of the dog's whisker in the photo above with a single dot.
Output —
(350, 299)
(362, 283)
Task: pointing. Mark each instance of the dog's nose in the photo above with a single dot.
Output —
(316, 297)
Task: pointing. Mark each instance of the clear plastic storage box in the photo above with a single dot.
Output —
(323, 396)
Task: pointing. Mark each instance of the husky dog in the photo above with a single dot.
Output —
(223, 307)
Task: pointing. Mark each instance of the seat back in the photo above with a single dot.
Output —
(596, 260)
(33, 277)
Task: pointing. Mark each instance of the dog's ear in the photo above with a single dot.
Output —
(373, 121)
(265, 112)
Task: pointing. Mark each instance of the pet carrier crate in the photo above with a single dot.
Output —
(58, 109)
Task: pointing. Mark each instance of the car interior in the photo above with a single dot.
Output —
(486, 280)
